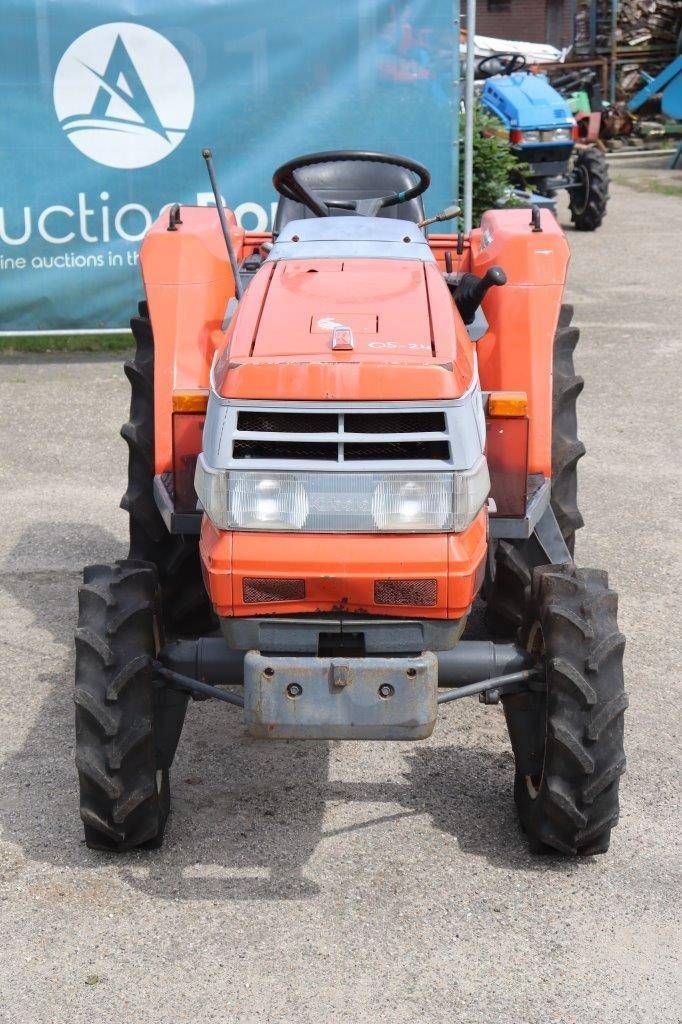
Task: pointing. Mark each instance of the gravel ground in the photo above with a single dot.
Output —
(344, 881)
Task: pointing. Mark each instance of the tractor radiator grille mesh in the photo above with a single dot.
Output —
(406, 592)
(287, 422)
(264, 590)
(271, 436)
(397, 450)
(283, 450)
(394, 422)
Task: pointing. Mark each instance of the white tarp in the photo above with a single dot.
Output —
(535, 53)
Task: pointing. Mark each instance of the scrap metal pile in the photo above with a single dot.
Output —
(639, 23)
(647, 33)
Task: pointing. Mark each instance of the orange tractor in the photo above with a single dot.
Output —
(341, 434)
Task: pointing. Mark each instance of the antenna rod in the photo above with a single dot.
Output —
(208, 157)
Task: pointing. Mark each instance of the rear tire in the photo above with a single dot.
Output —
(124, 785)
(186, 607)
(512, 562)
(588, 201)
(568, 735)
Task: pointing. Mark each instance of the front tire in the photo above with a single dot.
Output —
(588, 200)
(124, 785)
(567, 736)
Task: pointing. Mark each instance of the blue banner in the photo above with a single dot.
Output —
(106, 107)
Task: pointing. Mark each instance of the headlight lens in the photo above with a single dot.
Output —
(267, 502)
(342, 502)
(544, 135)
(416, 504)
(557, 135)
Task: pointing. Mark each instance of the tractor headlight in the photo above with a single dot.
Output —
(317, 502)
(529, 136)
(267, 501)
(557, 135)
(414, 503)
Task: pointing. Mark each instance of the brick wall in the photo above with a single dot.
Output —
(534, 21)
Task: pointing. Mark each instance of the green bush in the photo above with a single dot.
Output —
(496, 168)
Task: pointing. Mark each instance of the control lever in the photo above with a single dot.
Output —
(449, 213)
(471, 290)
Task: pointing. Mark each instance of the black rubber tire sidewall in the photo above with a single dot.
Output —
(588, 203)
(576, 802)
(124, 793)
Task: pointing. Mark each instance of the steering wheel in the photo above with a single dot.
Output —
(288, 185)
(511, 62)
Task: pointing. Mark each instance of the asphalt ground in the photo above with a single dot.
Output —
(351, 882)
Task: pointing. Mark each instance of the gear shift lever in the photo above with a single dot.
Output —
(471, 290)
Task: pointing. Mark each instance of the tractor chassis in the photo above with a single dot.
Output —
(291, 692)
(304, 697)
(548, 186)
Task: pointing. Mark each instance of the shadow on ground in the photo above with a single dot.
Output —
(248, 814)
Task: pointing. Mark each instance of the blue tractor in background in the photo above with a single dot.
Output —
(543, 133)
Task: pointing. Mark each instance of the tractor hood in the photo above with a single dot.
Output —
(526, 101)
(352, 326)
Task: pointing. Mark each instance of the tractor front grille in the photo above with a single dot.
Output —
(330, 439)
(267, 422)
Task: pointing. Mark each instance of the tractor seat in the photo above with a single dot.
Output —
(352, 179)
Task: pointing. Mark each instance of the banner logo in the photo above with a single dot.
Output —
(124, 95)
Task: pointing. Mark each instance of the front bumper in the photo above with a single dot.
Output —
(340, 698)
(339, 573)
(544, 159)
(295, 696)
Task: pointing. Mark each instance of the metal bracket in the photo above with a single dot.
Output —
(521, 527)
(178, 681)
(550, 538)
(176, 522)
(174, 217)
(507, 682)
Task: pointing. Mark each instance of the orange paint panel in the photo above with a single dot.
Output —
(187, 282)
(341, 380)
(516, 353)
(409, 342)
(242, 332)
(254, 239)
(215, 552)
(447, 323)
(360, 289)
(294, 268)
(359, 323)
(466, 564)
(340, 571)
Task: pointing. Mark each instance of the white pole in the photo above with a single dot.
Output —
(456, 100)
(469, 117)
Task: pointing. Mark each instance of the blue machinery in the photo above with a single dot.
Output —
(669, 83)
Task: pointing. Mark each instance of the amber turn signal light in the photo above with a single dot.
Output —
(190, 401)
(507, 403)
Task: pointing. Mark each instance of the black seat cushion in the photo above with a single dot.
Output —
(352, 179)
